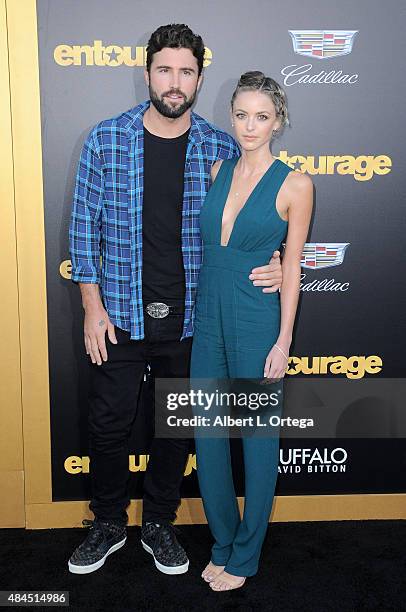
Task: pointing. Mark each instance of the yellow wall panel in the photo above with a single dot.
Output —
(12, 510)
(27, 153)
(11, 441)
(285, 509)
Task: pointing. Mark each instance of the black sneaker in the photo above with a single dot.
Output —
(104, 538)
(161, 542)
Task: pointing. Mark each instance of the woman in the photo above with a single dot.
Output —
(240, 331)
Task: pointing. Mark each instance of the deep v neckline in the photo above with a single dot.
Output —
(229, 183)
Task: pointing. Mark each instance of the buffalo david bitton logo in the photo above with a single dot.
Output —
(312, 460)
(320, 45)
(111, 55)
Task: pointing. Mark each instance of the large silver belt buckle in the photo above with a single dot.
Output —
(157, 310)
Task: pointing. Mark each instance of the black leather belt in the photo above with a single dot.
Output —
(160, 310)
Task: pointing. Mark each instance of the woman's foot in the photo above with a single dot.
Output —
(226, 582)
(211, 571)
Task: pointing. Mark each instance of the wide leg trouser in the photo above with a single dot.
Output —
(236, 324)
(238, 542)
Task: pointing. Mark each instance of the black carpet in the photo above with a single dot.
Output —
(346, 566)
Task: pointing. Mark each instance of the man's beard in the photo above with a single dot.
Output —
(169, 111)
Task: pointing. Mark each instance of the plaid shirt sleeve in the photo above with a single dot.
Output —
(85, 222)
(231, 151)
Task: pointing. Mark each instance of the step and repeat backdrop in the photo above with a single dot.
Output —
(340, 66)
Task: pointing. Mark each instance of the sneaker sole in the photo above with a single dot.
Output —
(165, 569)
(88, 569)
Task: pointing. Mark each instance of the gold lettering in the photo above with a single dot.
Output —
(355, 367)
(65, 269)
(73, 465)
(190, 465)
(301, 159)
(373, 364)
(113, 61)
(298, 366)
(112, 55)
(283, 156)
(208, 57)
(81, 465)
(63, 55)
(331, 161)
(346, 165)
(77, 55)
(141, 466)
(308, 165)
(383, 164)
(324, 361)
(98, 53)
(364, 168)
(138, 60)
(339, 365)
(307, 369)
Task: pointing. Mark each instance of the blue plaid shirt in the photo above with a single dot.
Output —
(106, 220)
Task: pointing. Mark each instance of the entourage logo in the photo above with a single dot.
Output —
(361, 168)
(136, 463)
(323, 45)
(296, 460)
(353, 367)
(109, 55)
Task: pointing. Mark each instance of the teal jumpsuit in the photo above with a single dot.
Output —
(236, 325)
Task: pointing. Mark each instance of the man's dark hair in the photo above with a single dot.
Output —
(176, 36)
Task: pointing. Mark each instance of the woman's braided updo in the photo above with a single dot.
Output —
(257, 81)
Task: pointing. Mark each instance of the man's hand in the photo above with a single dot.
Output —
(269, 276)
(96, 324)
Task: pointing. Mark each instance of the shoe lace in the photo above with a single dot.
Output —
(93, 536)
(167, 534)
(96, 529)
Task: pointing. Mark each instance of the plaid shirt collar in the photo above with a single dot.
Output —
(132, 121)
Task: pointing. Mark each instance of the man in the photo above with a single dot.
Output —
(142, 179)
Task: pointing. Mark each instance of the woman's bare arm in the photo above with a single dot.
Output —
(299, 192)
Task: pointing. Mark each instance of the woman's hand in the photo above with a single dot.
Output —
(276, 362)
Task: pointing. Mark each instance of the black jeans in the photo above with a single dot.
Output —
(114, 393)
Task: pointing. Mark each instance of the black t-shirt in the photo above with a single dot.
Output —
(163, 271)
